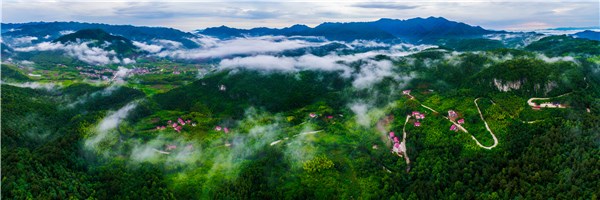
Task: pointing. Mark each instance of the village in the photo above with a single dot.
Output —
(399, 146)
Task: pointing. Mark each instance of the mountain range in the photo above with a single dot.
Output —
(415, 30)
(23, 40)
(101, 39)
(48, 31)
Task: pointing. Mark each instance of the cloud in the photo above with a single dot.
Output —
(127, 61)
(360, 110)
(66, 32)
(27, 62)
(260, 62)
(382, 5)
(81, 51)
(169, 44)
(238, 46)
(555, 59)
(205, 41)
(367, 44)
(121, 73)
(33, 85)
(372, 72)
(104, 129)
(286, 64)
(23, 40)
(148, 47)
(107, 91)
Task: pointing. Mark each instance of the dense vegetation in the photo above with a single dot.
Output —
(308, 134)
(479, 44)
(563, 45)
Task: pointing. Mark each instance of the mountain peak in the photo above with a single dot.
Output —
(419, 30)
(102, 39)
(93, 34)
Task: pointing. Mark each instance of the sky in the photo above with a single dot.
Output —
(192, 15)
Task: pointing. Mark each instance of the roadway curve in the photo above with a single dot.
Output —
(465, 130)
(486, 127)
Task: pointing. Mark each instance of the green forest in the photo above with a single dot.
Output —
(526, 120)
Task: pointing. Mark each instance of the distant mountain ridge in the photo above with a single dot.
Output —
(587, 34)
(415, 30)
(100, 38)
(48, 31)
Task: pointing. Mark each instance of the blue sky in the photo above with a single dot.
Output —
(190, 15)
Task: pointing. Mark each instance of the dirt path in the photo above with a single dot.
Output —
(461, 128)
(486, 127)
(544, 105)
(429, 108)
(286, 138)
(403, 143)
(161, 152)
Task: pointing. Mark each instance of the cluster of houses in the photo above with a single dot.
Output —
(91, 73)
(452, 115)
(314, 115)
(140, 71)
(399, 147)
(106, 73)
(407, 92)
(177, 125)
(417, 115)
(224, 129)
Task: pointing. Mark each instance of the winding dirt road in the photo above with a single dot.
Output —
(465, 130)
(486, 127)
(544, 105)
(403, 143)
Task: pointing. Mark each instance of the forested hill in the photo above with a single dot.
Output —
(479, 114)
(48, 31)
(101, 39)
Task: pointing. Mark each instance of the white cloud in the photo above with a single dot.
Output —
(360, 110)
(373, 72)
(555, 59)
(370, 71)
(23, 40)
(260, 62)
(65, 32)
(107, 124)
(286, 64)
(127, 61)
(205, 41)
(367, 44)
(81, 51)
(169, 44)
(121, 73)
(33, 85)
(148, 47)
(27, 62)
(238, 46)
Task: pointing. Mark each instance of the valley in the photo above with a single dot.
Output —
(422, 108)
